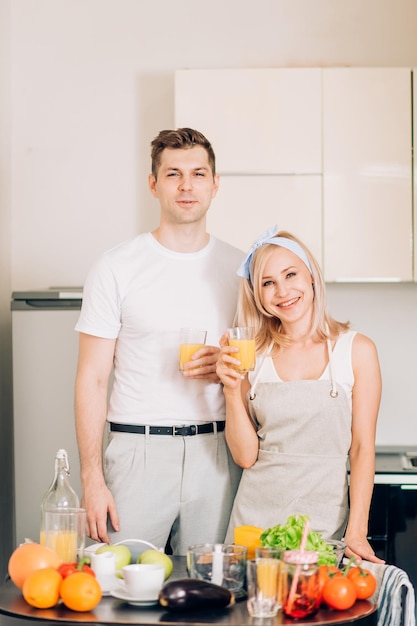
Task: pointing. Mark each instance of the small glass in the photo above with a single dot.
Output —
(301, 594)
(243, 337)
(191, 340)
(222, 564)
(267, 552)
(262, 579)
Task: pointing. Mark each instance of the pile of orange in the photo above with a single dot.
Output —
(33, 568)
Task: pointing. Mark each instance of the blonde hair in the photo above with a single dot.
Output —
(268, 328)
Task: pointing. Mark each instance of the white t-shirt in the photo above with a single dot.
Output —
(142, 294)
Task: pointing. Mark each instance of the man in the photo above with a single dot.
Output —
(167, 470)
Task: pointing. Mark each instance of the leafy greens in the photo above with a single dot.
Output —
(288, 537)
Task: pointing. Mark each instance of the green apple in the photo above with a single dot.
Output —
(123, 554)
(155, 557)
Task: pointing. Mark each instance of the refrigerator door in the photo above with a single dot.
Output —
(45, 351)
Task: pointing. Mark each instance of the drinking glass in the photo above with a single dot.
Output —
(191, 340)
(243, 337)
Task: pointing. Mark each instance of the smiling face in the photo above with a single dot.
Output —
(286, 287)
(185, 185)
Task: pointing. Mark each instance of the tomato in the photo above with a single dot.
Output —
(364, 582)
(326, 573)
(339, 593)
(72, 568)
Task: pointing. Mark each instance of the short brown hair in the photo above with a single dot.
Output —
(180, 139)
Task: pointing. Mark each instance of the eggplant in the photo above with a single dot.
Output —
(187, 594)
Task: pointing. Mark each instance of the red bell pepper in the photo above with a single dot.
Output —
(72, 568)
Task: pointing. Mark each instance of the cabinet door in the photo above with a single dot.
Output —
(246, 206)
(259, 121)
(367, 190)
(415, 168)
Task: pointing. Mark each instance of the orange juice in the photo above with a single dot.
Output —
(63, 542)
(246, 354)
(269, 577)
(187, 350)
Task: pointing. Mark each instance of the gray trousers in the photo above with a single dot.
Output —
(166, 485)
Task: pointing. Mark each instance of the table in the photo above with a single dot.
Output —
(113, 611)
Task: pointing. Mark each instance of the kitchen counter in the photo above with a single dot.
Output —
(394, 465)
(113, 611)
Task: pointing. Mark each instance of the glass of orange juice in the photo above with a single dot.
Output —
(268, 553)
(243, 337)
(191, 340)
(65, 532)
(262, 578)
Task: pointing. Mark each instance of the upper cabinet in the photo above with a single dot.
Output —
(324, 153)
(415, 167)
(245, 206)
(265, 121)
(367, 174)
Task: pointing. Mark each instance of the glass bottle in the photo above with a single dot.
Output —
(60, 493)
(301, 596)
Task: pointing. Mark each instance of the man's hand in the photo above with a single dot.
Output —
(203, 364)
(99, 504)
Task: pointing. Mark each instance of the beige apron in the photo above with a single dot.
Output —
(304, 441)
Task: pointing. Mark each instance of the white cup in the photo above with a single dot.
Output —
(104, 567)
(143, 580)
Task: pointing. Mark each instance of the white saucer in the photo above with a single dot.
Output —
(122, 594)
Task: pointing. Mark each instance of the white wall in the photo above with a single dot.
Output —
(92, 82)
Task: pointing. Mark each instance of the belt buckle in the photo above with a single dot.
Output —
(185, 431)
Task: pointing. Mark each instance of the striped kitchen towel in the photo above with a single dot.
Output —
(396, 599)
(394, 595)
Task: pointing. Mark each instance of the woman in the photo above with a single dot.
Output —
(309, 407)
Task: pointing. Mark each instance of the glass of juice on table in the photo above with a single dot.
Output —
(191, 340)
(263, 585)
(65, 532)
(243, 337)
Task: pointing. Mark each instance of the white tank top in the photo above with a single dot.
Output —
(341, 362)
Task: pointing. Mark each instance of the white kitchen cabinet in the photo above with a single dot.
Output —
(245, 206)
(367, 182)
(349, 129)
(259, 121)
(415, 166)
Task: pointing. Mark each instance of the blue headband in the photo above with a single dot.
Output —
(245, 270)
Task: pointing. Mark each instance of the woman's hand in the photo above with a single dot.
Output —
(360, 549)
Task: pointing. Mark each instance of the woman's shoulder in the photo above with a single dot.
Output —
(363, 345)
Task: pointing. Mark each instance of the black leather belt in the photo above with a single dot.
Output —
(176, 431)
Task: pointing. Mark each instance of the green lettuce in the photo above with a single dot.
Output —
(288, 537)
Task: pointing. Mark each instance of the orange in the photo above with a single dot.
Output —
(41, 588)
(29, 557)
(80, 591)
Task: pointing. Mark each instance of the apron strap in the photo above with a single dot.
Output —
(333, 391)
(252, 393)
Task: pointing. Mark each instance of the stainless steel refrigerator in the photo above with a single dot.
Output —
(45, 349)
